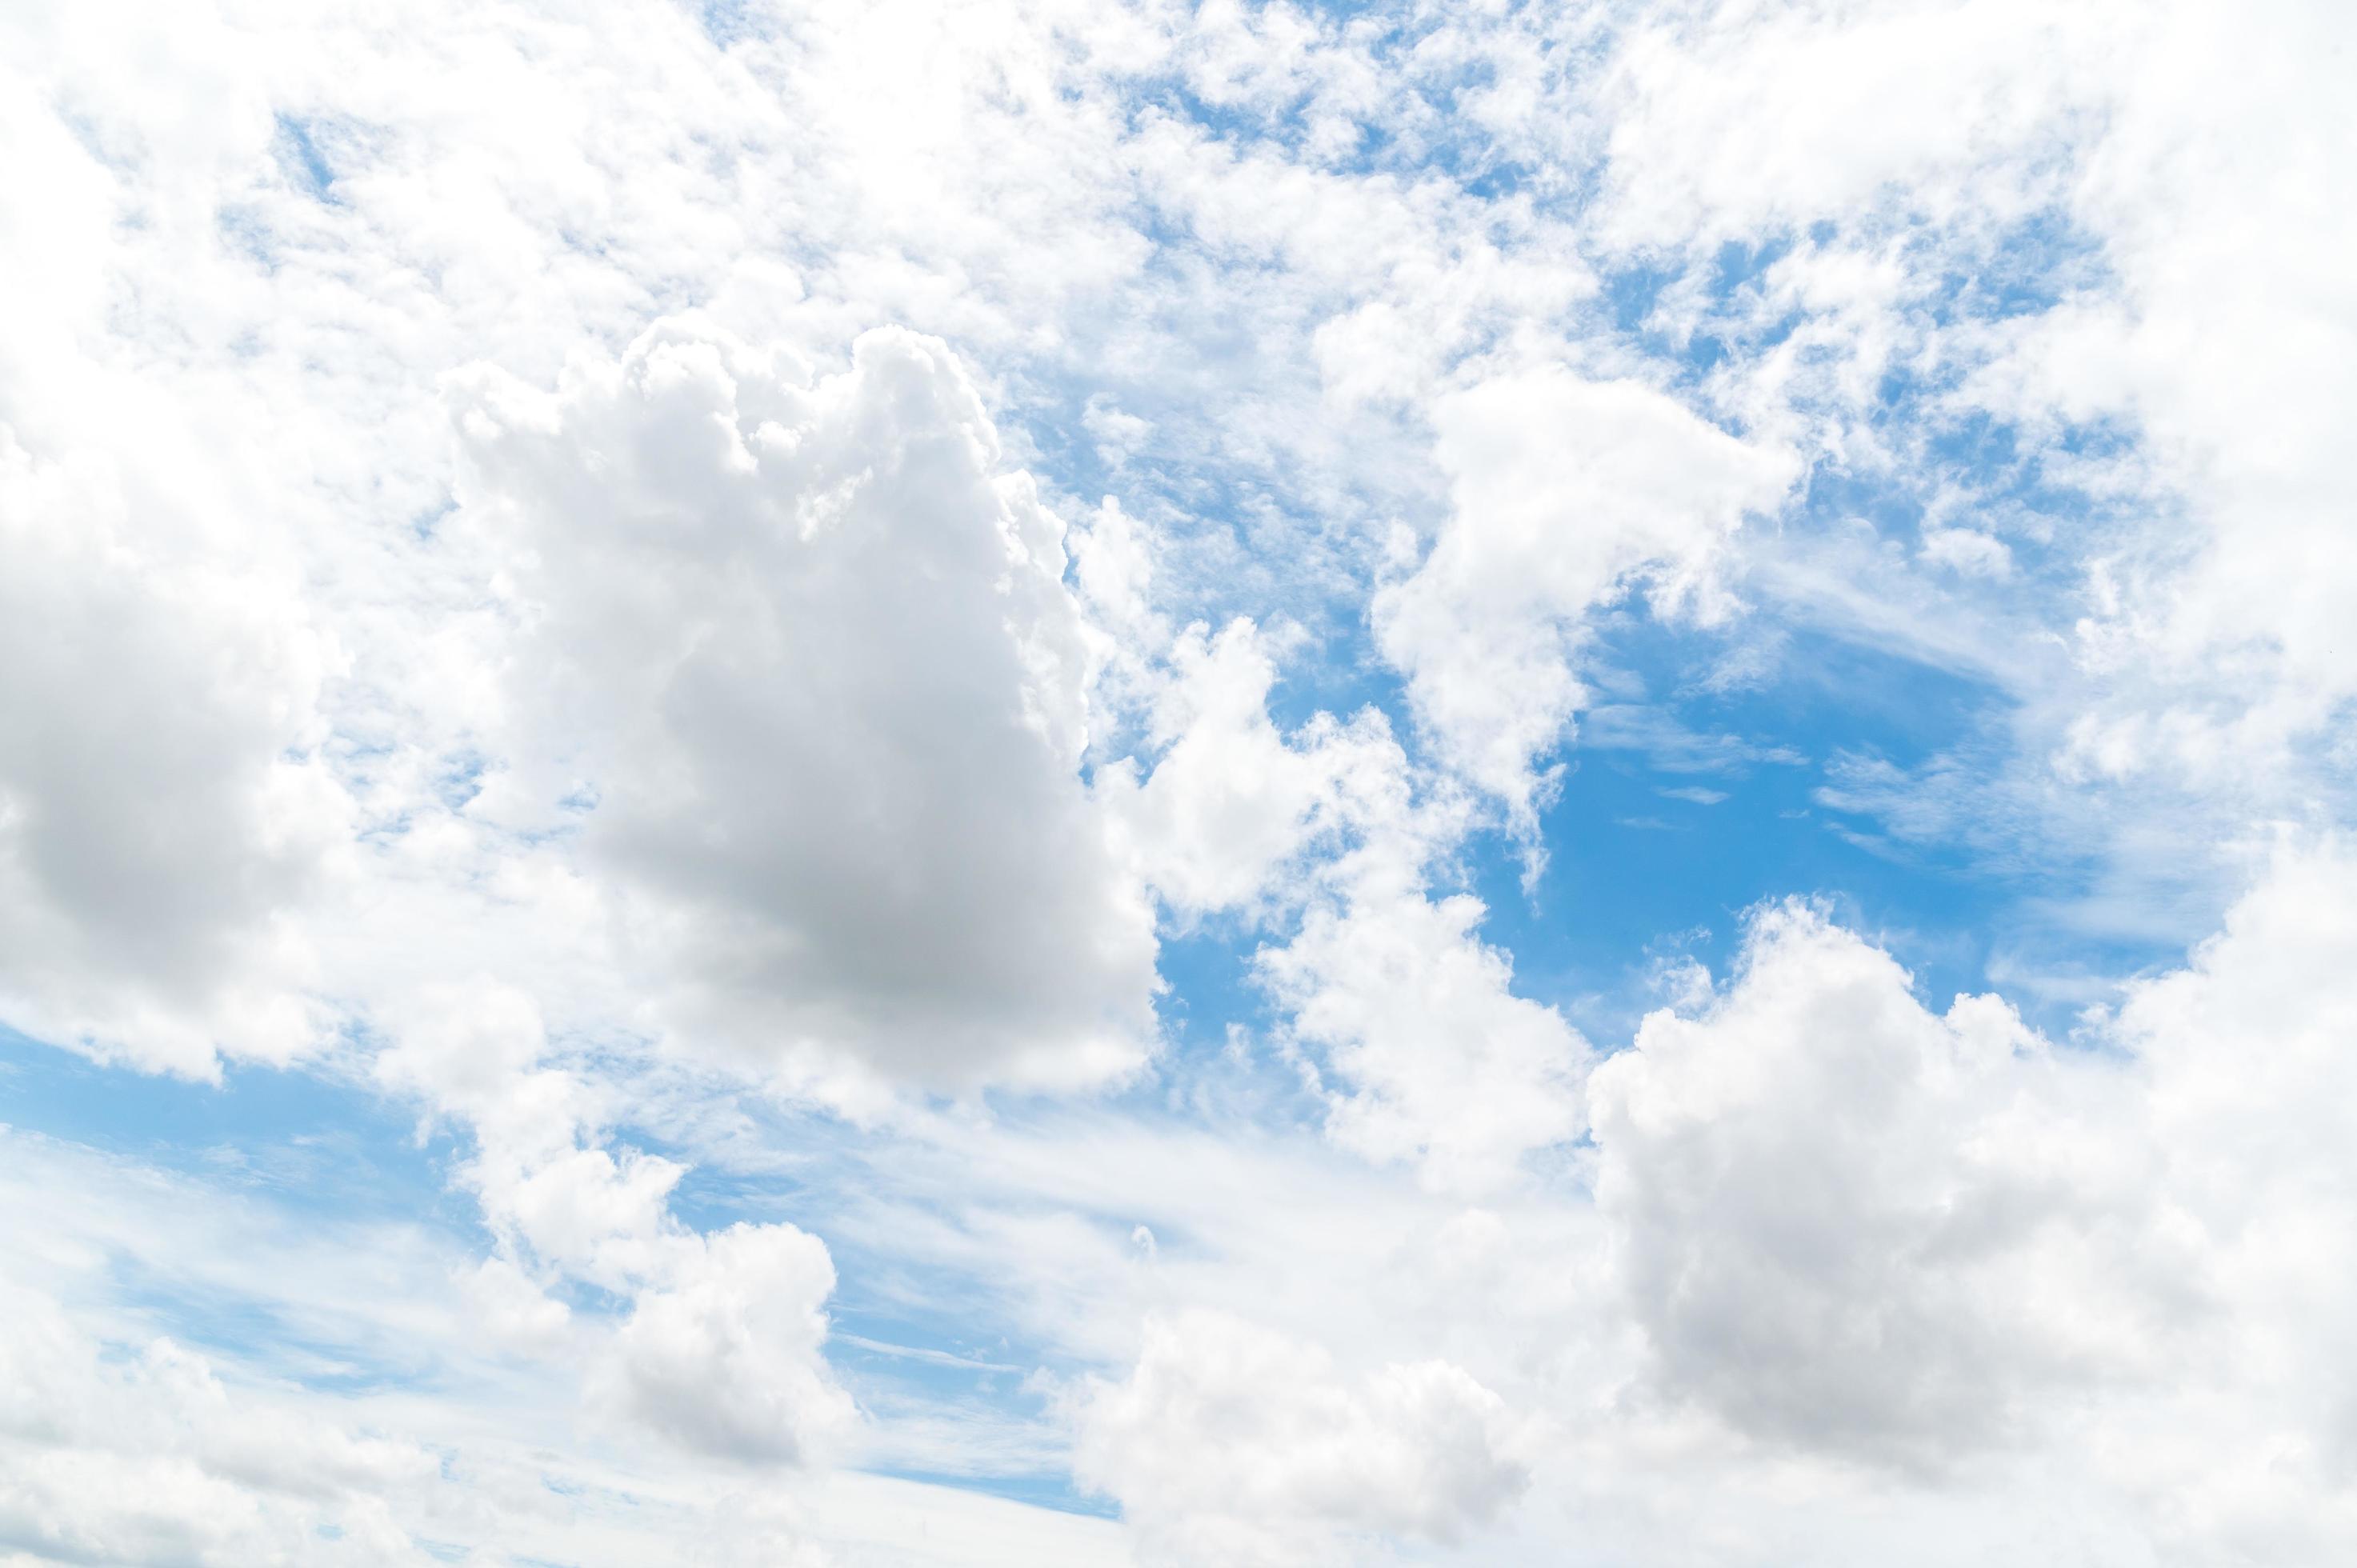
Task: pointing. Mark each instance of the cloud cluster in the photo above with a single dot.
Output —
(1841, 1244)
(717, 1347)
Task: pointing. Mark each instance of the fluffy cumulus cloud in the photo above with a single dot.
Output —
(1231, 804)
(2246, 1048)
(1047, 782)
(1851, 1227)
(723, 1357)
(163, 813)
(1853, 1224)
(1565, 493)
(1231, 1443)
(803, 653)
(714, 1345)
(1440, 1064)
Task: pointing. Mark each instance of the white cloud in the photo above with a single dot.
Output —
(1437, 1063)
(1736, 121)
(1565, 493)
(1231, 805)
(515, 1313)
(1851, 1228)
(725, 1356)
(163, 815)
(2250, 1114)
(1854, 1225)
(2230, 361)
(319, 1443)
(2116, 159)
(810, 649)
(720, 1350)
(148, 1457)
(1968, 550)
(1228, 1443)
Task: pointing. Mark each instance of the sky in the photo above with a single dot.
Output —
(1115, 782)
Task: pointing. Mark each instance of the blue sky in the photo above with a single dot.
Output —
(1176, 783)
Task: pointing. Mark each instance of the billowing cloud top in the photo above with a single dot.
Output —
(804, 656)
(1235, 784)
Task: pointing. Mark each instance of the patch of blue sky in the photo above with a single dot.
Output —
(713, 1195)
(2031, 266)
(832, 1190)
(1212, 988)
(1631, 295)
(299, 1137)
(310, 1154)
(458, 779)
(727, 21)
(1045, 1489)
(249, 234)
(2020, 269)
(1643, 866)
(427, 522)
(910, 1327)
(1015, 1448)
(303, 159)
(1170, 97)
(921, 1331)
(904, 1343)
(249, 1328)
(2033, 488)
(1426, 133)
(1235, 545)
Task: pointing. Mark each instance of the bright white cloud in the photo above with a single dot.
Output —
(719, 1347)
(1437, 1063)
(163, 813)
(2073, 147)
(808, 650)
(1231, 803)
(725, 1356)
(1228, 1442)
(1565, 493)
(1855, 1225)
